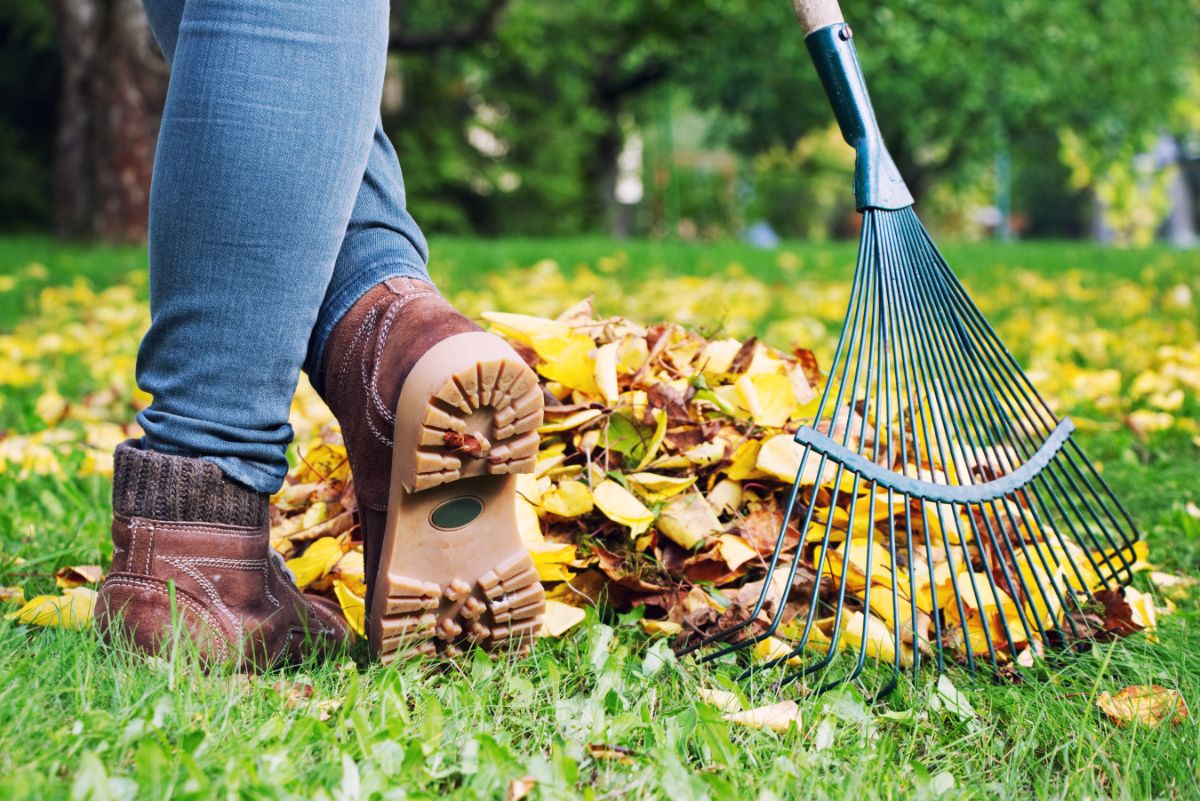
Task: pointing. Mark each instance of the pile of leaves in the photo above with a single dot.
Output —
(665, 463)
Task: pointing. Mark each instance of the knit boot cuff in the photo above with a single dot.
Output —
(159, 486)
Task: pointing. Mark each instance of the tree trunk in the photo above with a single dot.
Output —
(603, 173)
(114, 82)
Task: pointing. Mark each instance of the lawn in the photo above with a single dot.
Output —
(1111, 336)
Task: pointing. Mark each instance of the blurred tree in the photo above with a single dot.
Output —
(28, 84)
(525, 130)
(113, 83)
(954, 82)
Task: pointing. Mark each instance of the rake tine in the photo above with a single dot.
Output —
(951, 375)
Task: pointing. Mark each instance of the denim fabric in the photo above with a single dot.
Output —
(277, 201)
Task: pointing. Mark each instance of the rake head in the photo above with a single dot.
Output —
(941, 511)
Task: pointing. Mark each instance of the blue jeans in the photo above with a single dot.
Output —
(277, 201)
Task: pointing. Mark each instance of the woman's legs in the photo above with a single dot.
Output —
(278, 225)
(263, 229)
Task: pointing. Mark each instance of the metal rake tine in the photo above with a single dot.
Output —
(935, 357)
(1054, 470)
(872, 320)
(974, 420)
(1022, 435)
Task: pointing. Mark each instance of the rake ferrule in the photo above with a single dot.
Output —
(877, 182)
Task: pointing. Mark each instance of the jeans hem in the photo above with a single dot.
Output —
(247, 473)
(340, 303)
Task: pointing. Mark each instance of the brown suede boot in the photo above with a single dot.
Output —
(181, 522)
(437, 417)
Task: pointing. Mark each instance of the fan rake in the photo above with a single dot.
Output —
(941, 510)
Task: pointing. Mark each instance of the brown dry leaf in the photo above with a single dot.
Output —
(519, 788)
(12, 595)
(613, 753)
(77, 576)
(294, 693)
(1143, 704)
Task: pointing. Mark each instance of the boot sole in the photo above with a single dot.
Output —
(453, 571)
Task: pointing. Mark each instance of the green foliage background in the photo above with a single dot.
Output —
(563, 83)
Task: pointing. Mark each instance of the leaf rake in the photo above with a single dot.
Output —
(945, 510)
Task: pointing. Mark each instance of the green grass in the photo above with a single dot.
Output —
(78, 720)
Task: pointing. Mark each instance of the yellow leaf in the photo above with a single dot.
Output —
(772, 649)
(324, 461)
(655, 487)
(571, 421)
(632, 354)
(12, 595)
(768, 397)
(316, 561)
(688, 520)
(1173, 586)
(353, 607)
(660, 628)
(879, 641)
(717, 358)
(73, 609)
(50, 406)
(350, 569)
(528, 524)
(551, 559)
(606, 372)
(723, 700)
(745, 460)
(1143, 704)
(778, 717)
(568, 499)
(560, 618)
(779, 457)
(1141, 605)
(619, 505)
(726, 497)
(525, 328)
(568, 360)
(735, 550)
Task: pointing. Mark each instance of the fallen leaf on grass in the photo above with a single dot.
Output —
(294, 692)
(77, 576)
(560, 618)
(777, 717)
(73, 609)
(660, 628)
(519, 788)
(1143, 704)
(1177, 587)
(616, 753)
(12, 595)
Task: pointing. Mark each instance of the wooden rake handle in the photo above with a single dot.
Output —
(817, 14)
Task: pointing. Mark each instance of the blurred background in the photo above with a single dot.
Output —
(688, 119)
